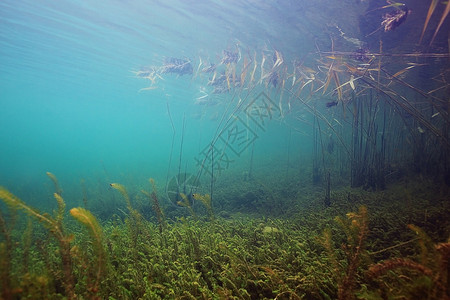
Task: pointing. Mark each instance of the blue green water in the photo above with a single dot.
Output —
(71, 102)
(296, 149)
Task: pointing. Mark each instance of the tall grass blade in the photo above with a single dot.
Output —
(444, 15)
(430, 12)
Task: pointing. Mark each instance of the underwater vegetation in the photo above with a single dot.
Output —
(370, 103)
(363, 215)
(354, 249)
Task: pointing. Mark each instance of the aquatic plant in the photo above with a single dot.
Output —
(206, 201)
(394, 19)
(434, 264)
(86, 218)
(355, 228)
(135, 220)
(375, 88)
(327, 200)
(176, 66)
(55, 182)
(6, 249)
(430, 12)
(185, 202)
(238, 257)
(55, 227)
(124, 193)
(153, 196)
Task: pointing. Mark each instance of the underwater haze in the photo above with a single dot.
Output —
(225, 136)
(72, 105)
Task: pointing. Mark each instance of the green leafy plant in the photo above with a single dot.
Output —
(55, 227)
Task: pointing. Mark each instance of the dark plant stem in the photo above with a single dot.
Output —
(328, 192)
(288, 153)
(171, 147)
(66, 259)
(250, 170)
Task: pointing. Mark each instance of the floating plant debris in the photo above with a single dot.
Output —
(394, 19)
(177, 66)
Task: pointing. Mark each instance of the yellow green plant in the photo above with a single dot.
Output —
(153, 196)
(55, 182)
(434, 264)
(355, 227)
(86, 218)
(54, 225)
(26, 242)
(186, 203)
(206, 201)
(123, 191)
(135, 215)
(5, 260)
(134, 222)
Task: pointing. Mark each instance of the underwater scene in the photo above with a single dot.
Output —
(224, 149)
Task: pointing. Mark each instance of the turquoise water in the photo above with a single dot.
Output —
(299, 149)
(72, 104)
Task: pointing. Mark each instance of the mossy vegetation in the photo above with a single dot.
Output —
(364, 245)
